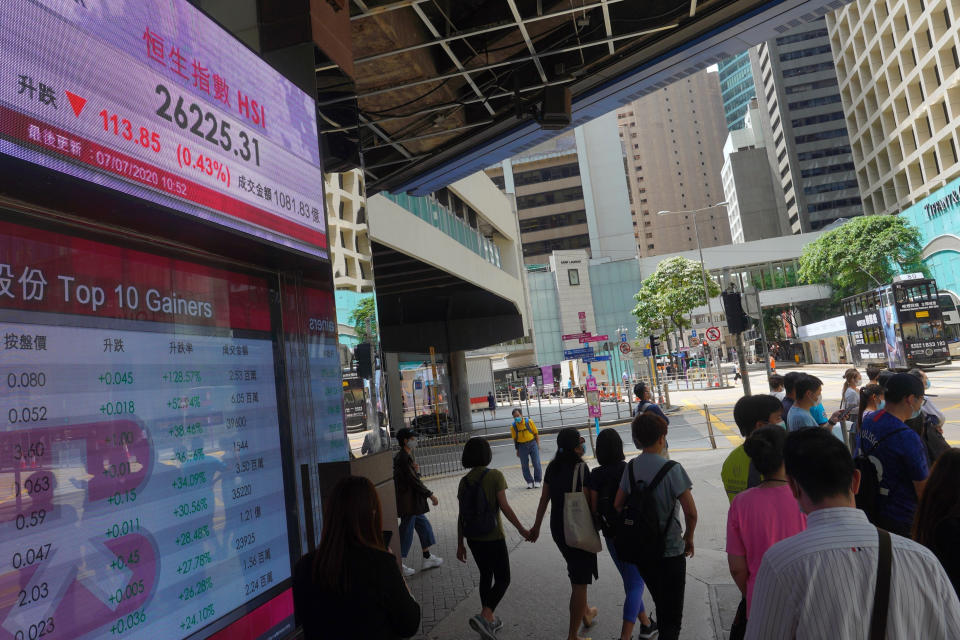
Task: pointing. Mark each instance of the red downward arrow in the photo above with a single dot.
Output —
(76, 102)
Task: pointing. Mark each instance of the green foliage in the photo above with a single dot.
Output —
(670, 293)
(358, 317)
(880, 246)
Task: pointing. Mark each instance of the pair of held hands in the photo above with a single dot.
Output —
(530, 535)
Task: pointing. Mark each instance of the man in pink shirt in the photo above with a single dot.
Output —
(760, 517)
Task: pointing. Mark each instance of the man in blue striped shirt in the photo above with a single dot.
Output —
(821, 583)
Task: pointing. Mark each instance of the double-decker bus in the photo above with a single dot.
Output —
(899, 325)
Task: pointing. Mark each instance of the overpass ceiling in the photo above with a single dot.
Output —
(447, 87)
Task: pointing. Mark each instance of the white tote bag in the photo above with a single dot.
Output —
(578, 530)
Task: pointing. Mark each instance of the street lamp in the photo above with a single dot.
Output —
(703, 268)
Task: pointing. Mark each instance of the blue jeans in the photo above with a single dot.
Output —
(632, 585)
(424, 532)
(529, 451)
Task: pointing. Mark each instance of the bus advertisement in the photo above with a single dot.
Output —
(899, 325)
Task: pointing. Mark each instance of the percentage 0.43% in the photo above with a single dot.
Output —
(188, 159)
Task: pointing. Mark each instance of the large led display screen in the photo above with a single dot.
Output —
(152, 98)
(141, 483)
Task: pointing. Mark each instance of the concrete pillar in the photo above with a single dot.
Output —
(391, 369)
(460, 390)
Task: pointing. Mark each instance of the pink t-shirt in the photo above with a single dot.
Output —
(759, 518)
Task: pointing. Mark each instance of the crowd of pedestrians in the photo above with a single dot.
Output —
(840, 527)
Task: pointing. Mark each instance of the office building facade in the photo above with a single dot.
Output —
(755, 205)
(571, 193)
(737, 88)
(897, 63)
(673, 140)
(801, 103)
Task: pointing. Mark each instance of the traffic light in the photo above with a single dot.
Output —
(654, 343)
(362, 354)
(737, 320)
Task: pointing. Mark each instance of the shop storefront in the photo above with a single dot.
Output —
(172, 390)
(938, 218)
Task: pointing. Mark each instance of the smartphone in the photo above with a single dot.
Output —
(387, 537)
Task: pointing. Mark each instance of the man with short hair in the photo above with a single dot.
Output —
(750, 413)
(873, 370)
(821, 583)
(526, 440)
(807, 392)
(776, 386)
(789, 380)
(897, 452)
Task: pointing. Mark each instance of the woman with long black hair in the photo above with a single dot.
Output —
(937, 523)
(581, 565)
(351, 586)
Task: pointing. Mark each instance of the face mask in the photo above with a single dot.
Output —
(881, 405)
(412, 444)
(518, 419)
(926, 385)
(780, 424)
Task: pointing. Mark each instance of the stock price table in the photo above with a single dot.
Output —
(140, 480)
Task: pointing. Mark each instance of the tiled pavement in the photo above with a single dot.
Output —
(440, 590)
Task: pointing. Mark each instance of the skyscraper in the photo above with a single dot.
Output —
(736, 87)
(897, 63)
(673, 139)
(802, 108)
(754, 198)
(571, 193)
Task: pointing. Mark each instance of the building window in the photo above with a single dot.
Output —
(573, 277)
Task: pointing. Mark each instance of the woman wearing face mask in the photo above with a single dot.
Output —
(929, 424)
(412, 506)
(581, 565)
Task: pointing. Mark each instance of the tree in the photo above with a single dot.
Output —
(670, 293)
(358, 317)
(868, 249)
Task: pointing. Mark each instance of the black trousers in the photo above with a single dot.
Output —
(493, 561)
(667, 582)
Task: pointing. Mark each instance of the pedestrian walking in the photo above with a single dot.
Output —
(760, 517)
(661, 561)
(937, 525)
(350, 587)
(492, 404)
(842, 578)
(750, 413)
(526, 441)
(581, 565)
(482, 496)
(897, 453)
(645, 401)
(412, 507)
(604, 482)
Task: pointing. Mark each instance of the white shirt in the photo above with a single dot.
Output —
(820, 584)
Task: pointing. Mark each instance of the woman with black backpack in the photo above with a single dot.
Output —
(482, 495)
(650, 534)
(602, 491)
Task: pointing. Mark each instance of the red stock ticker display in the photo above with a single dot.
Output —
(141, 483)
(152, 98)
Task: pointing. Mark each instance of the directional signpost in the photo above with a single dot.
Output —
(588, 355)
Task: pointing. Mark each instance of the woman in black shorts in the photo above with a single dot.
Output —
(581, 565)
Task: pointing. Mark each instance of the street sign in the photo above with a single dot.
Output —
(624, 348)
(713, 333)
(694, 341)
(647, 353)
(623, 337)
(597, 359)
(418, 384)
(573, 354)
(693, 332)
(603, 338)
(590, 384)
(575, 336)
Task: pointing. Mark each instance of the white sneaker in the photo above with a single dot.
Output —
(536, 485)
(529, 485)
(431, 563)
(407, 571)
